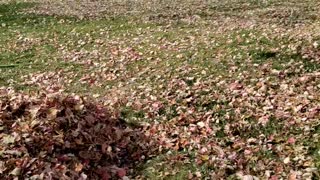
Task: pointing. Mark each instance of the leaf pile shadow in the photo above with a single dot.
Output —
(51, 136)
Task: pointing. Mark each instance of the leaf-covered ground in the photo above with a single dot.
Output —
(227, 89)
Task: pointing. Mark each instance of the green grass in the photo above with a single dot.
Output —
(43, 55)
(156, 169)
(157, 56)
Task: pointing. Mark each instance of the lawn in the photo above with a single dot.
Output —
(225, 89)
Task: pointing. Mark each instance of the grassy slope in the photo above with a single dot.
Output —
(182, 64)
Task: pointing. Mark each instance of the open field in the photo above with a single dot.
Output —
(228, 89)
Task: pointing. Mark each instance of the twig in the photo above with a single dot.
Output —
(9, 65)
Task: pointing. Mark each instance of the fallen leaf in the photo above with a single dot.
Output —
(78, 167)
(292, 176)
(16, 171)
(8, 139)
(291, 140)
(249, 177)
(121, 172)
(286, 160)
(201, 124)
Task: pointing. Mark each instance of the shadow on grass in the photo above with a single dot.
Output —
(12, 14)
(279, 60)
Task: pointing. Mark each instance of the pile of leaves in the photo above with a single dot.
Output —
(54, 136)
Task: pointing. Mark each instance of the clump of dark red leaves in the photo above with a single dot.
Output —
(64, 137)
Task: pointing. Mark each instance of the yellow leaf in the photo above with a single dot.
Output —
(78, 167)
(52, 113)
(204, 157)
